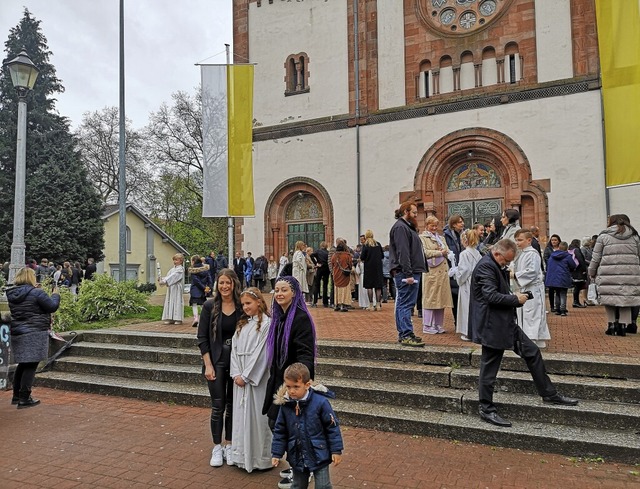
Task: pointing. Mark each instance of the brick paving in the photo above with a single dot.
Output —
(85, 440)
(582, 331)
(77, 440)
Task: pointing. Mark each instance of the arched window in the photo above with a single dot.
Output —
(446, 74)
(296, 77)
(467, 71)
(425, 82)
(489, 67)
(511, 63)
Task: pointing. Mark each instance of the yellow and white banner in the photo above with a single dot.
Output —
(619, 43)
(227, 131)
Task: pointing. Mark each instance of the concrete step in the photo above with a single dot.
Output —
(140, 338)
(132, 369)
(145, 353)
(614, 390)
(524, 435)
(149, 390)
(588, 414)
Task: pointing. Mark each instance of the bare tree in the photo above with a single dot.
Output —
(98, 140)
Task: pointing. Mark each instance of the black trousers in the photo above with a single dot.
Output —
(23, 378)
(221, 392)
(490, 365)
(321, 278)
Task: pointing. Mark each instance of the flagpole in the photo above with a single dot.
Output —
(230, 223)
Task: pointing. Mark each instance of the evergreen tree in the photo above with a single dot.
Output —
(63, 211)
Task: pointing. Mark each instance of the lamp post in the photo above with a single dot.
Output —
(23, 75)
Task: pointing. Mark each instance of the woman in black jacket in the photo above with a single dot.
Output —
(216, 328)
(31, 310)
(579, 275)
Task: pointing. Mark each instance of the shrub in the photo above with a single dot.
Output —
(104, 298)
(68, 315)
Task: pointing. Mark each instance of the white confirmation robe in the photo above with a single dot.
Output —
(532, 316)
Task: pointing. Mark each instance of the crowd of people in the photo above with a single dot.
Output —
(68, 274)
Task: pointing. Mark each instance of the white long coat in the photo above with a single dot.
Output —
(173, 302)
(300, 270)
(251, 448)
(532, 316)
(467, 262)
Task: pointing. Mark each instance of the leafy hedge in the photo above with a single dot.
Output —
(99, 298)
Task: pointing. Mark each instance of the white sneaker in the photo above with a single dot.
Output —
(227, 454)
(286, 473)
(216, 456)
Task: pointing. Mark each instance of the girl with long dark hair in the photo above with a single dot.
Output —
(216, 328)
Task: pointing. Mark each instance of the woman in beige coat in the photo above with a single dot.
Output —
(615, 266)
(436, 291)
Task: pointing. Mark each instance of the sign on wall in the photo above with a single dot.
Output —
(4, 354)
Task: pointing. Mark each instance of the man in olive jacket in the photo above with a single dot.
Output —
(492, 318)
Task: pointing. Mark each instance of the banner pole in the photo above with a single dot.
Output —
(230, 223)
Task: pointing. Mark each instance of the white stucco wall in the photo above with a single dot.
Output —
(281, 29)
(560, 136)
(328, 158)
(553, 40)
(391, 67)
(624, 200)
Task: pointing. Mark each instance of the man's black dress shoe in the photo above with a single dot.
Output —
(15, 400)
(560, 399)
(494, 418)
(28, 403)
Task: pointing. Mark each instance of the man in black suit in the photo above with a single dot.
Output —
(239, 265)
(492, 318)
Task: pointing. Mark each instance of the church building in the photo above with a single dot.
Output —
(462, 106)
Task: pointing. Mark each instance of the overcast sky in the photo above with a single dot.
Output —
(163, 41)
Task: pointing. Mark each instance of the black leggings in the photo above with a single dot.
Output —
(221, 392)
(23, 379)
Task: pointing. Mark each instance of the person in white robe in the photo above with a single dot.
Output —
(468, 260)
(299, 262)
(363, 298)
(249, 368)
(529, 277)
(173, 311)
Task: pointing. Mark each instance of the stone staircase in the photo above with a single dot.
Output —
(428, 392)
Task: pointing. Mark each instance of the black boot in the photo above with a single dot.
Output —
(632, 328)
(611, 330)
(621, 329)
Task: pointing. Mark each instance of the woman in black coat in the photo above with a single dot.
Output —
(371, 257)
(579, 275)
(31, 310)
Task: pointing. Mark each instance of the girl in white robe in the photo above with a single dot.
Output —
(250, 372)
(173, 311)
(468, 260)
(528, 276)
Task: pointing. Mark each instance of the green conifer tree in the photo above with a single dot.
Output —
(63, 210)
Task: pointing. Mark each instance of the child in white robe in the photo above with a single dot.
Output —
(250, 373)
(468, 260)
(173, 311)
(528, 276)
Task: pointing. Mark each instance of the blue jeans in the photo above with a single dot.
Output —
(406, 296)
(301, 479)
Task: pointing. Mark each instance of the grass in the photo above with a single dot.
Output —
(153, 313)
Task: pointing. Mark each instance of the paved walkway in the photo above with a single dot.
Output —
(582, 331)
(75, 440)
(85, 440)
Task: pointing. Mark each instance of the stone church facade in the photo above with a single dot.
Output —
(462, 106)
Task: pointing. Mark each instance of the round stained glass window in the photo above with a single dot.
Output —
(460, 17)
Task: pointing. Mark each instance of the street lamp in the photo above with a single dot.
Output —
(23, 75)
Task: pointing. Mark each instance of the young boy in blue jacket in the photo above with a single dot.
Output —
(559, 268)
(306, 428)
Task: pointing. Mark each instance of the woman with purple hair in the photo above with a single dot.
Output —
(291, 339)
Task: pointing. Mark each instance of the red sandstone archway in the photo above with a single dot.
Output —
(495, 149)
(275, 232)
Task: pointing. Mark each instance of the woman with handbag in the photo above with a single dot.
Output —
(31, 310)
(436, 289)
(341, 265)
(615, 266)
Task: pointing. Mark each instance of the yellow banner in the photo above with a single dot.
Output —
(619, 44)
(240, 139)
